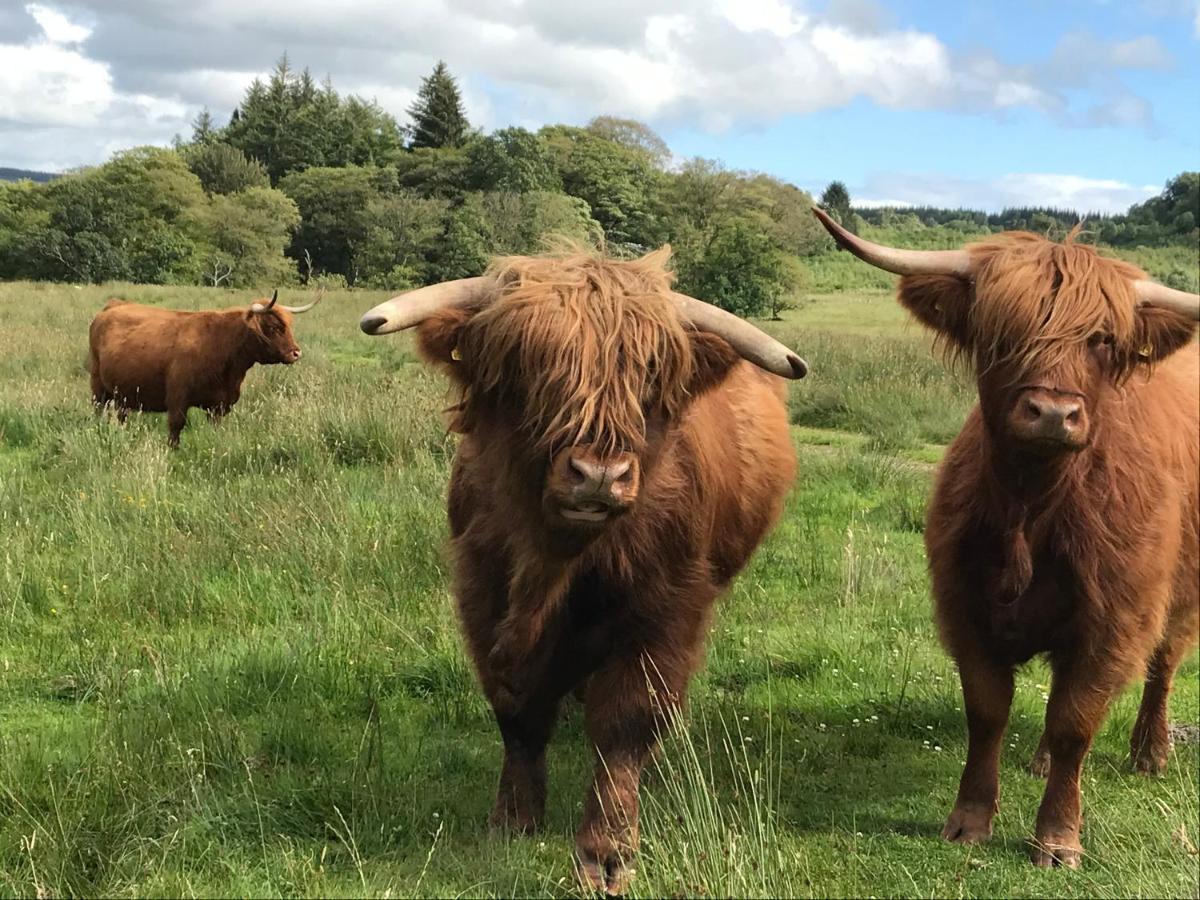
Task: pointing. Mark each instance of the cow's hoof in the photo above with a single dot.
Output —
(1150, 760)
(1051, 850)
(609, 874)
(1040, 764)
(969, 823)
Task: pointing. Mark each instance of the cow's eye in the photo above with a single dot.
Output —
(1100, 339)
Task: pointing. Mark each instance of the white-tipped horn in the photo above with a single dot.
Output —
(414, 307)
(751, 344)
(1151, 293)
(307, 306)
(898, 262)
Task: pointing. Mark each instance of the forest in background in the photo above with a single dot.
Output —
(304, 184)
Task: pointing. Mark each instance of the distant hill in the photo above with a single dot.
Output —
(19, 174)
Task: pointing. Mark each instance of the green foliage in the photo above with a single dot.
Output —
(462, 248)
(740, 270)
(511, 159)
(245, 234)
(632, 135)
(619, 184)
(336, 207)
(223, 169)
(437, 114)
(290, 124)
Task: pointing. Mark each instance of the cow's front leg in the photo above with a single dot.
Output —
(987, 688)
(1080, 693)
(628, 702)
(525, 637)
(521, 794)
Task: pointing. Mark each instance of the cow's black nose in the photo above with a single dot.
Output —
(371, 324)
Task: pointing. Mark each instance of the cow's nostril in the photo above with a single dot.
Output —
(577, 471)
(1033, 409)
(1073, 416)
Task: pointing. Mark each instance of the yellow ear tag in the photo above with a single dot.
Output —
(1146, 352)
(454, 354)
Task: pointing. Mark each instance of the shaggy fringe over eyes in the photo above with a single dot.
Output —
(1037, 301)
(588, 338)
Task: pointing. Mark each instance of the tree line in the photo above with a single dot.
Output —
(303, 183)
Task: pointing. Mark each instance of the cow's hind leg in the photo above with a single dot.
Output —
(987, 697)
(1150, 742)
(176, 421)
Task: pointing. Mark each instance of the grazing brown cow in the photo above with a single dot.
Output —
(1065, 520)
(619, 464)
(163, 360)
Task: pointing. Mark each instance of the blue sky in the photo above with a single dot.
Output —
(1092, 104)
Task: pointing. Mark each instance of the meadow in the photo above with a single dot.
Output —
(234, 669)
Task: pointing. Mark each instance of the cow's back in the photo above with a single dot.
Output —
(131, 350)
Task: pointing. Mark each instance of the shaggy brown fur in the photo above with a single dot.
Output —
(1088, 553)
(585, 358)
(162, 360)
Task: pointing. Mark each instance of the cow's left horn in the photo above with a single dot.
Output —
(307, 306)
(898, 262)
(751, 344)
(263, 307)
(414, 307)
(1151, 293)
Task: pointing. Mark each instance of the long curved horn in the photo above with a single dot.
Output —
(751, 344)
(1151, 293)
(307, 306)
(263, 307)
(898, 262)
(414, 307)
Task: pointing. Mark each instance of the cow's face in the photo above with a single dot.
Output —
(580, 397)
(1050, 331)
(273, 337)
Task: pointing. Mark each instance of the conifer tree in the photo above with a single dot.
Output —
(437, 114)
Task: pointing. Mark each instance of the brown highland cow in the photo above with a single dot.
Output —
(1065, 520)
(619, 464)
(164, 360)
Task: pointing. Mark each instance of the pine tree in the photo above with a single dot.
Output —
(836, 200)
(203, 130)
(437, 114)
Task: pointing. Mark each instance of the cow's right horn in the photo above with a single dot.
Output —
(898, 262)
(296, 310)
(406, 310)
(1151, 293)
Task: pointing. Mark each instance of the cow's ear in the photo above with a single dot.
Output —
(940, 302)
(712, 358)
(438, 336)
(1157, 333)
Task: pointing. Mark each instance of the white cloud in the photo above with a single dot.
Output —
(713, 64)
(1085, 195)
(57, 28)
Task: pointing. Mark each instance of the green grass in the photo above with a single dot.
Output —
(234, 670)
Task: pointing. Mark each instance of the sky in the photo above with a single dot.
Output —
(1086, 104)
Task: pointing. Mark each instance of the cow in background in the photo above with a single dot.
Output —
(1065, 519)
(619, 463)
(162, 360)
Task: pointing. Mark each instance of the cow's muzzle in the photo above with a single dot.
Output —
(1049, 420)
(588, 489)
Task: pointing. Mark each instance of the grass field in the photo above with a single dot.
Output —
(234, 670)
